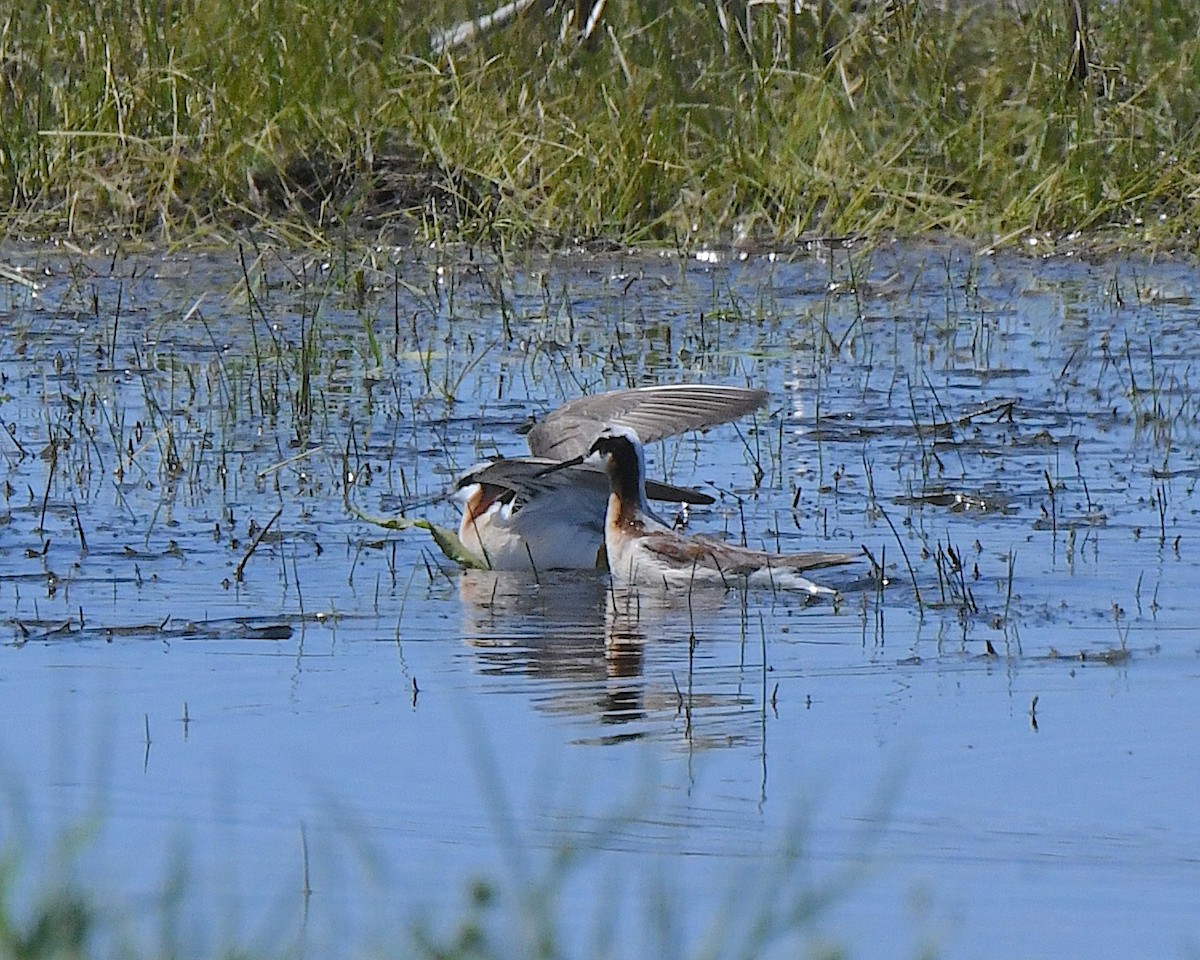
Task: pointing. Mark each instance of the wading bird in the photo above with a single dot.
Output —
(642, 550)
(537, 513)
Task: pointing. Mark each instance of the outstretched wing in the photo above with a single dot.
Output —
(529, 476)
(653, 412)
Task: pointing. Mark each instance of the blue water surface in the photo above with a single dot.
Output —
(356, 747)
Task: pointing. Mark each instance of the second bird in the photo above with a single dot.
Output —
(522, 513)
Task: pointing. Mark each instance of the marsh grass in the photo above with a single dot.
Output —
(498, 919)
(52, 907)
(60, 926)
(177, 118)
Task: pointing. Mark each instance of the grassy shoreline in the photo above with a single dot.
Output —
(170, 120)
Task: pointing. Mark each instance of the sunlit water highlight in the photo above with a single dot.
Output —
(1001, 765)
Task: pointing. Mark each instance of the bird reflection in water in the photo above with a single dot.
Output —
(589, 638)
(556, 628)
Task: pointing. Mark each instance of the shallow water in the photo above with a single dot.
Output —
(992, 755)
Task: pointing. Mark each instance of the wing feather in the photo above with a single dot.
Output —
(733, 560)
(528, 476)
(653, 412)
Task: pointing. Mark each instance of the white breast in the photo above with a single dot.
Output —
(561, 529)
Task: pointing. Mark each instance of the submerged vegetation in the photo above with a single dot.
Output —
(670, 123)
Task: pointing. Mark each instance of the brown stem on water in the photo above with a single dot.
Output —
(83, 547)
(254, 546)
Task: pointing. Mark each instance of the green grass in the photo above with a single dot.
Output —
(55, 914)
(168, 119)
